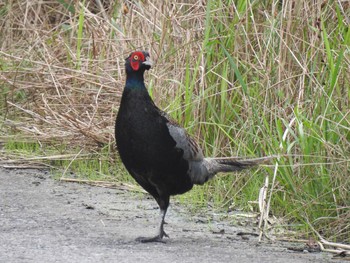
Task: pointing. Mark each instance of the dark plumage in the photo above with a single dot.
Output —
(155, 150)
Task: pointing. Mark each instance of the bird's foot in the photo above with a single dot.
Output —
(149, 240)
(157, 238)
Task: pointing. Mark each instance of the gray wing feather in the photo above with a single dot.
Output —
(198, 165)
(192, 152)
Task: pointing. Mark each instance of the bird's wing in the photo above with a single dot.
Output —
(191, 149)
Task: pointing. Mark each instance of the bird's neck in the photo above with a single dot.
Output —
(135, 81)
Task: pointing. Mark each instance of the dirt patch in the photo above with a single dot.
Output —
(44, 220)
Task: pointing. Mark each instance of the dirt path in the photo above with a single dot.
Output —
(43, 220)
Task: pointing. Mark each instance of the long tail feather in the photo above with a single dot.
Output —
(230, 164)
(203, 171)
(239, 161)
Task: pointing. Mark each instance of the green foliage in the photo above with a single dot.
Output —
(68, 5)
(250, 110)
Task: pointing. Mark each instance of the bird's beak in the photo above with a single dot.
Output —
(148, 62)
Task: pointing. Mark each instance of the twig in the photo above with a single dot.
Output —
(345, 249)
(262, 208)
(106, 184)
(24, 166)
(38, 158)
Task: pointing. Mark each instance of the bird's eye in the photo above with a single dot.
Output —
(136, 57)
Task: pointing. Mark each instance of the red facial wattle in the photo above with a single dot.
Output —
(135, 59)
(134, 64)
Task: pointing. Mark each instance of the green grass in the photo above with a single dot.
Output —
(245, 78)
(68, 162)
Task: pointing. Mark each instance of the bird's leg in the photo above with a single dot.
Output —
(163, 202)
(162, 222)
(161, 234)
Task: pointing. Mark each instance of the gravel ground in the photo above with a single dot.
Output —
(45, 220)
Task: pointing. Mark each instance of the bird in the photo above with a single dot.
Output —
(157, 152)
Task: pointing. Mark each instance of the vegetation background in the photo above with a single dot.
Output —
(247, 78)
